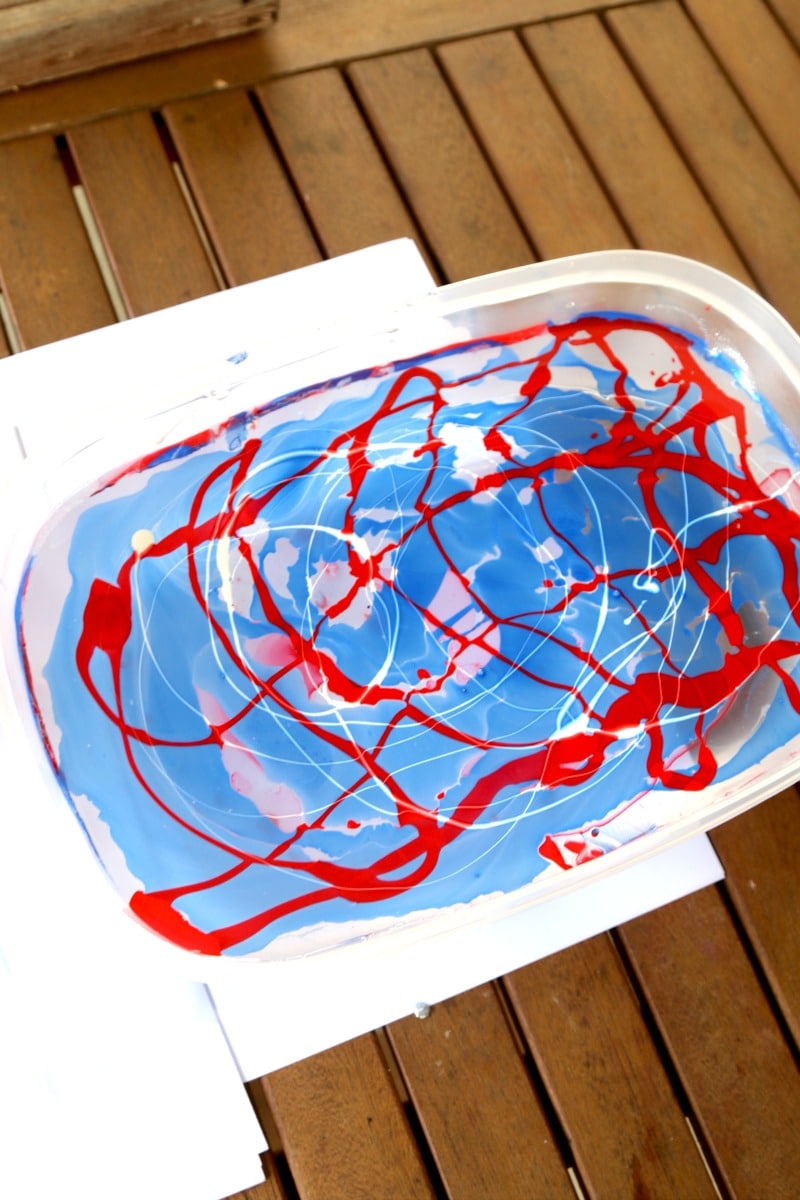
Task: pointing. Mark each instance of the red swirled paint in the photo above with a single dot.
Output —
(411, 638)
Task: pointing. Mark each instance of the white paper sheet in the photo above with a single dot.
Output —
(115, 1076)
(68, 394)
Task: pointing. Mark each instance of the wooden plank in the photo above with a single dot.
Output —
(151, 240)
(149, 83)
(788, 13)
(455, 197)
(249, 208)
(717, 135)
(733, 1062)
(314, 33)
(49, 276)
(760, 851)
(476, 1103)
(343, 1128)
(763, 66)
(556, 195)
(346, 187)
(58, 37)
(651, 186)
(601, 1068)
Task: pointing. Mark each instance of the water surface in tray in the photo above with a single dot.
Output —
(419, 635)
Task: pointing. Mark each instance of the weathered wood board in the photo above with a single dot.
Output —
(46, 39)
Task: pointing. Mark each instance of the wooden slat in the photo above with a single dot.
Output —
(346, 187)
(651, 186)
(737, 1069)
(719, 138)
(150, 84)
(762, 64)
(760, 851)
(554, 191)
(150, 238)
(250, 210)
(59, 37)
(455, 197)
(49, 275)
(474, 1097)
(605, 1078)
(317, 32)
(343, 1128)
(788, 12)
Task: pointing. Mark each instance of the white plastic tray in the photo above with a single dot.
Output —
(378, 678)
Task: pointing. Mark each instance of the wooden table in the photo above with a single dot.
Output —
(659, 1060)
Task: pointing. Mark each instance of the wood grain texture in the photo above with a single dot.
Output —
(48, 273)
(788, 13)
(313, 33)
(149, 236)
(447, 183)
(761, 63)
(60, 37)
(760, 851)
(659, 199)
(721, 142)
(737, 1070)
(343, 1127)
(474, 1097)
(249, 207)
(307, 35)
(600, 1066)
(150, 83)
(337, 168)
(555, 193)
